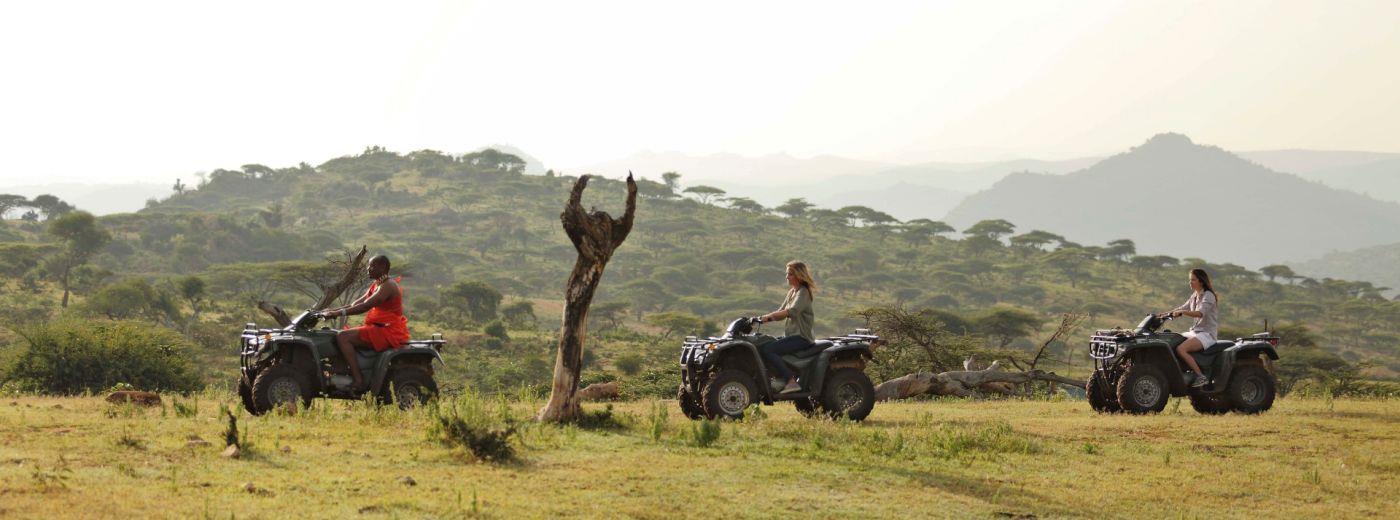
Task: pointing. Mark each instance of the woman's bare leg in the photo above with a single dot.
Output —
(1185, 349)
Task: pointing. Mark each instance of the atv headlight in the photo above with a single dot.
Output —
(709, 346)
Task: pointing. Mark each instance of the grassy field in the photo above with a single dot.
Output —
(81, 457)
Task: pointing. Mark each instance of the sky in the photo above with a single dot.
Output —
(152, 91)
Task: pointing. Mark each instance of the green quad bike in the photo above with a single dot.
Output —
(300, 362)
(1137, 371)
(721, 377)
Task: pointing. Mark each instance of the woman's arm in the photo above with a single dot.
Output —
(780, 314)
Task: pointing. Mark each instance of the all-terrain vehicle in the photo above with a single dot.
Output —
(721, 377)
(300, 362)
(1137, 371)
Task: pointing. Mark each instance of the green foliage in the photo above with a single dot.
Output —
(629, 363)
(467, 424)
(475, 301)
(657, 420)
(71, 356)
(520, 314)
(133, 298)
(680, 323)
(496, 329)
(704, 432)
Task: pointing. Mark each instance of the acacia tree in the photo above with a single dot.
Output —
(82, 238)
(705, 193)
(596, 235)
(794, 207)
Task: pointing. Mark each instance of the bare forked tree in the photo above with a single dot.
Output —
(332, 281)
(595, 236)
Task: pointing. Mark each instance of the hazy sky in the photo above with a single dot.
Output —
(153, 91)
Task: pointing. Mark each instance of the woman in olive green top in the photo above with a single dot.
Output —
(797, 331)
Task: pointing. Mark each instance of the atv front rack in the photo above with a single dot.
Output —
(1104, 343)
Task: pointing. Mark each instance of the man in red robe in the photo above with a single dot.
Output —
(385, 325)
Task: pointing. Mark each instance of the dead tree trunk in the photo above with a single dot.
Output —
(964, 383)
(595, 236)
(353, 266)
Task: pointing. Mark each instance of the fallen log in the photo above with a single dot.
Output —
(964, 383)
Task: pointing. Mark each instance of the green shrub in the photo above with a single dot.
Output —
(467, 424)
(70, 356)
(496, 329)
(629, 363)
(704, 433)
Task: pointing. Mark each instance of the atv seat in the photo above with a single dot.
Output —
(1218, 347)
(813, 350)
(1207, 358)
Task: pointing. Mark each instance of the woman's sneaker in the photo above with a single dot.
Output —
(1199, 381)
(791, 387)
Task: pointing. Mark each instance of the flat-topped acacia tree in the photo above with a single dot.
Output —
(595, 236)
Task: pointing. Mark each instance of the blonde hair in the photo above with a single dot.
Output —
(803, 274)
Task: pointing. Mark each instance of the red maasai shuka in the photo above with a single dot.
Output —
(385, 325)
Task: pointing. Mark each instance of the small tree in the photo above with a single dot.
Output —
(677, 322)
(82, 238)
(520, 314)
(476, 301)
(794, 208)
(9, 202)
(672, 180)
(1277, 271)
(1006, 325)
(705, 193)
(191, 289)
(746, 204)
(993, 229)
(610, 312)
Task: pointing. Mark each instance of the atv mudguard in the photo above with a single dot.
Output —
(292, 349)
(425, 356)
(1160, 353)
(860, 349)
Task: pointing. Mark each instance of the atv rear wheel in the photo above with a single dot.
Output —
(278, 385)
(1100, 393)
(848, 392)
(409, 387)
(1142, 389)
(1210, 404)
(727, 394)
(689, 407)
(1251, 389)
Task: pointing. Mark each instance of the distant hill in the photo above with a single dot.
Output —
(98, 199)
(1379, 265)
(927, 190)
(1175, 197)
(1371, 173)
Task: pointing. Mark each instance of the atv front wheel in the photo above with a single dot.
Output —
(279, 385)
(848, 392)
(245, 393)
(1100, 394)
(411, 386)
(727, 394)
(689, 407)
(1142, 389)
(806, 406)
(1210, 404)
(1251, 389)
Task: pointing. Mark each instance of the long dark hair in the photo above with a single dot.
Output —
(1201, 275)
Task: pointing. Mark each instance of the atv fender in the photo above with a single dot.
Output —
(1158, 353)
(293, 350)
(1241, 352)
(861, 350)
(422, 355)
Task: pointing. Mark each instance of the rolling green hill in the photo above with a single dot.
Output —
(448, 218)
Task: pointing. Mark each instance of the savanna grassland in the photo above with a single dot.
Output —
(83, 457)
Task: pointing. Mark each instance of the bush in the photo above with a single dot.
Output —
(496, 329)
(467, 424)
(70, 356)
(629, 364)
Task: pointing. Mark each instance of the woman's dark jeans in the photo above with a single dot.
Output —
(773, 354)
